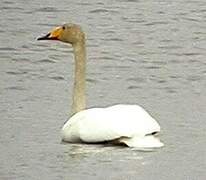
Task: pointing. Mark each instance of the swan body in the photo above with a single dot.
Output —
(129, 124)
(123, 124)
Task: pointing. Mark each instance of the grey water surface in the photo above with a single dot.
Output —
(151, 53)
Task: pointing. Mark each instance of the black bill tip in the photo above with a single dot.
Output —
(44, 37)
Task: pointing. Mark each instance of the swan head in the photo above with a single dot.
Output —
(68, 33)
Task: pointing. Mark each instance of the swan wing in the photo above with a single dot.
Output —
(105, 124)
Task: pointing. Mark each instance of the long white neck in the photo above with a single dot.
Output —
(79, 98)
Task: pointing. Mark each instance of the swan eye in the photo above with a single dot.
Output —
(63, 27)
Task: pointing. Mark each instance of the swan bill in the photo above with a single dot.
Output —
(53, 35)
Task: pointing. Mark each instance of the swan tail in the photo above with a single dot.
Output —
(149, 141)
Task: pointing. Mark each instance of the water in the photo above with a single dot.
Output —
(146, 52)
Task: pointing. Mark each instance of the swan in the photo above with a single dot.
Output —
(129, 125)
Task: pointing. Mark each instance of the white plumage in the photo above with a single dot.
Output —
(129, 124)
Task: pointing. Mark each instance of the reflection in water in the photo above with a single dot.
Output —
(80, 151)
(83, 150)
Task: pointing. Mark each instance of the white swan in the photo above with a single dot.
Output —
(125, 124)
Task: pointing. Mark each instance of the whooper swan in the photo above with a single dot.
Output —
(124, 124)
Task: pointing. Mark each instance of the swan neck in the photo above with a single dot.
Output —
(79, 99)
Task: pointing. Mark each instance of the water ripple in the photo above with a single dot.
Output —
(57, 78)
(11, 8)
(16, 72)
(46, 61)
(157, 23)
(7, 49)
(96, 11)
(93, 81)
(134, 87)
(17, 88)
(48, 9)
